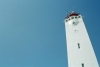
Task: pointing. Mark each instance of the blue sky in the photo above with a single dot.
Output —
(32, 32)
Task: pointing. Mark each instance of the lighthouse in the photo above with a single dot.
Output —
(79, 48)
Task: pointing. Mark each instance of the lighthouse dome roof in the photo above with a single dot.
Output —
(72, 14)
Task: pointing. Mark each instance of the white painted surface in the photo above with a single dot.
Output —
(76, 33)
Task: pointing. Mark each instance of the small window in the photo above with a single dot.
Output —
(66, 20)
(79, 16)
(73, 22)
(75, 17)
(75, 30)
(78, 46)
(82, 64)
(72, 17)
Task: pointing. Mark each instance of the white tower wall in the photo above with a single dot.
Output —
(79, 48)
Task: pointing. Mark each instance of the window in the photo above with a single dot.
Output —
(78, 46)
(78, 16)
(75, 17)
(72, 17)
(82, 64)
(66, 20)
(73, 22)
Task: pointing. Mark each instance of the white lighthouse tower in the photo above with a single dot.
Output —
(79, 48)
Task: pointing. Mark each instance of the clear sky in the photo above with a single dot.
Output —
(32, 32)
